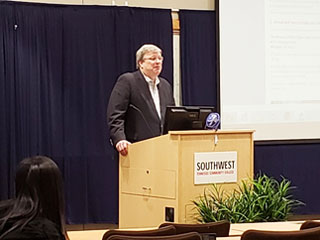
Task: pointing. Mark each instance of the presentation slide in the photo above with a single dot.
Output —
(270, 67)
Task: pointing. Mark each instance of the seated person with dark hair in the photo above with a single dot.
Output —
(37, 211)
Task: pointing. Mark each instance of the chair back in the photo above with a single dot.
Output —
(169, 230)
(308, 234)
(184, 236)
(221, 228)
(309, 224)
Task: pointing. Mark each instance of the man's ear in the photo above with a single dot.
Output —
(140, 63)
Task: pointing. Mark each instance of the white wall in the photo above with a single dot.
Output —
(171, 4)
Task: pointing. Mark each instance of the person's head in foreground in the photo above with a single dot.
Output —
(39, 198)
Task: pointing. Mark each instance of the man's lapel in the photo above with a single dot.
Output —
(146, 95)
(162, 101)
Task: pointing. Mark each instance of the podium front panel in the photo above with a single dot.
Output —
(158, 173)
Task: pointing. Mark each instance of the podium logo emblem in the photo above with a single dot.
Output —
(213, 121)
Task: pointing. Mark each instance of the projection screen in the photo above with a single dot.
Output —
(270, 67)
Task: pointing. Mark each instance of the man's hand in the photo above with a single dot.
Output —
(122, 147)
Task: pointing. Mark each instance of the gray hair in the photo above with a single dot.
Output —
(145, 49)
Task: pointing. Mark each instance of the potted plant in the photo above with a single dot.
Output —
(256, 200)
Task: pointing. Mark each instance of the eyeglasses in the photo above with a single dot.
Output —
(153, 59)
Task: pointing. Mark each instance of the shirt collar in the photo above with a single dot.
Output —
(149, 80)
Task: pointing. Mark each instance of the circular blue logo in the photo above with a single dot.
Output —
(213, 121)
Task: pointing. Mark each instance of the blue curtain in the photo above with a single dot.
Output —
(58, 64)
(297, 162)
(198, 58)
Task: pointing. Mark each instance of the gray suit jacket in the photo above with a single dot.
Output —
(131, 111)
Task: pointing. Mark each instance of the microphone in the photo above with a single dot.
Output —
(213, 121)
(141, 114)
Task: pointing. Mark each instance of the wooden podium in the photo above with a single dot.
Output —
(158, 174)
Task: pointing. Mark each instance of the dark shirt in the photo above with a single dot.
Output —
(38, 229)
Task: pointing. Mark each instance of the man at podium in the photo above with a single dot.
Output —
(138, 101)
